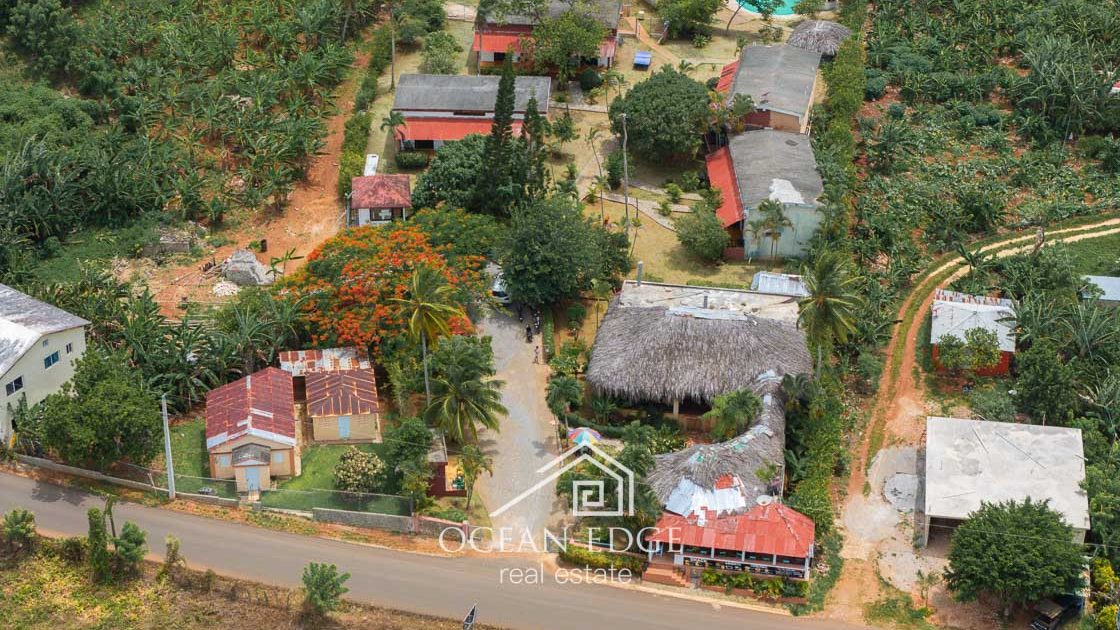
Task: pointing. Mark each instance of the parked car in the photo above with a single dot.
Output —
(498, 290)
(1053, 613)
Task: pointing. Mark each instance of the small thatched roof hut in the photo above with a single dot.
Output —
(743, 457)
(675, 353)
(819, 36)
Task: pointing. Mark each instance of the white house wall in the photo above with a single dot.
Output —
(40, 382)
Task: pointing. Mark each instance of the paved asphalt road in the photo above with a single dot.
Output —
(526, 440)
(438, 586)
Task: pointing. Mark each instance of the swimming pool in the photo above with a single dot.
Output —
(785, 9)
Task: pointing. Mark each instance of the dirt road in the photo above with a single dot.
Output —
(898, 419)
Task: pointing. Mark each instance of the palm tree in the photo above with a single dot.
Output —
(563, 392)
(828, 313)
(592, 139)
(772, 222)
(473, 462)
(392, 122)
(462, 402)
(430, 307)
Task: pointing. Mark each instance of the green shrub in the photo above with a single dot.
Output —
(356, 133)
(869, 367)
(590, 79)
(690, 181)
(548, 332)
(664, 208)
(576, 313)
(18, 530)
(583, 557)
(411, 160)
(875, 88)
(367, 92)
(72, 549)
(614, 169)
(323, 588)
(447, 514)
(702, 234)
(350, 165)
(674, 191)
(992, 403)
(701, 40)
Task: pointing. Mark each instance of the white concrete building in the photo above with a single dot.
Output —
(39, 345)
(969, 462)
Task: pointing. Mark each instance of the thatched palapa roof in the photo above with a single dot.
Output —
(819, 36)
(742, 457)
(673, 353)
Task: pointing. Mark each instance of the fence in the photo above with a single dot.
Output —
(185, 484)
(309, 500)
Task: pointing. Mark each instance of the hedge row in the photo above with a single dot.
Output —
(356, 137)
(584, 557)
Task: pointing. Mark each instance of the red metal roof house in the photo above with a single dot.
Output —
(379, 199)
(512, 34)
(337, 389)
(248, 417)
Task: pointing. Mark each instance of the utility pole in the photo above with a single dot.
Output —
(625, 177)
(167, 450)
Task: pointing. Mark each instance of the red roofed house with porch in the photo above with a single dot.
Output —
(508, 35)
(251, 430)
(768, 539)
(335, 388)
(379, 199)
(439, 108)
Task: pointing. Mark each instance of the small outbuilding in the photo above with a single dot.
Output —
(379, 199)
(760, 165)
(779, 284)
(781, 81)
(970, 462)
(955, 313)
(820, 36)
(336, 390)
(1108, 287)
(251, 430)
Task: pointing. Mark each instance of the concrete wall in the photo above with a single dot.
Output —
(82, 472)
(40, 382)
(794, 241)
(391, 522)
(363, 428)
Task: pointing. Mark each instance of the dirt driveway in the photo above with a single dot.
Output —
(527, 439)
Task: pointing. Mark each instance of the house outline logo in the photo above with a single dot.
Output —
(585, 493)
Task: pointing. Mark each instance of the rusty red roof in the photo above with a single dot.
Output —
(721, 174)
(765, 529)
(727, 77)
(380, 191)
(447, 128)
(499, 41)
(342, 393)
(260, 404)
(303, 362)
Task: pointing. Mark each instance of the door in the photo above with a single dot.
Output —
(253, 479)
(363, 216)
(344, 427)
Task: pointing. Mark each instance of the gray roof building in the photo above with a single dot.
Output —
(970, 462)
(607, 12)
(444, 94)
(1109, 286)
(24, 321)
(778, 78)
(775, 165)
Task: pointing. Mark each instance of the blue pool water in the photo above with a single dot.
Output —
(785, 9)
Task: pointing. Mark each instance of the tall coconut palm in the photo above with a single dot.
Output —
(828, 314)
(430, 305)
(771, 223)
(464, 401)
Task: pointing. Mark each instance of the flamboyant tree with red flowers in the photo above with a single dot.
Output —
(349, 283)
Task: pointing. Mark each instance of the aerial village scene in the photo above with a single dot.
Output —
(560, 314)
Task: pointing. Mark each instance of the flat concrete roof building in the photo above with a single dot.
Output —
(969, 462)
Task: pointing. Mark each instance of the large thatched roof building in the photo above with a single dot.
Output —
(671, 343)
(819, 36)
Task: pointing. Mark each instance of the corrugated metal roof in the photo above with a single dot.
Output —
(498, 41)
(303, 362)
(342, 393)
(24, 321)
(261, 405)
(448, 129)
(778, 78)
(726, 77)
(765, 529)
(1108, 284)
(380, 191)
(466, 93)
(956, 313)
(721, 174)
(775, 165)
(779, 284)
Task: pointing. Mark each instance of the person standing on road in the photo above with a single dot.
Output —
(536, 354)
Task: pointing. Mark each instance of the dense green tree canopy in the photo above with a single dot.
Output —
(666, 115)
(1019, 552)
(452, 176)
(702, 233)
(556, 40)
(688, 16)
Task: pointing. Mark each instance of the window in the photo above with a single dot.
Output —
(46, 342)
(14, 385)
(278, 457)
(69, 348)
(223, 460)
(50, 360)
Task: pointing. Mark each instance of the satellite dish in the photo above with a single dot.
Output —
(764, 499)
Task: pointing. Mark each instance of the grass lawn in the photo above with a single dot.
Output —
(314, 487)
(665, 260)
(1097, 256)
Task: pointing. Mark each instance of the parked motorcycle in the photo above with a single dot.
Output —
(528, 334)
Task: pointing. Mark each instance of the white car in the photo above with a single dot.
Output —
(498, 290)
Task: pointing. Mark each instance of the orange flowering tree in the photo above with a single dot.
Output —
(349, 280)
